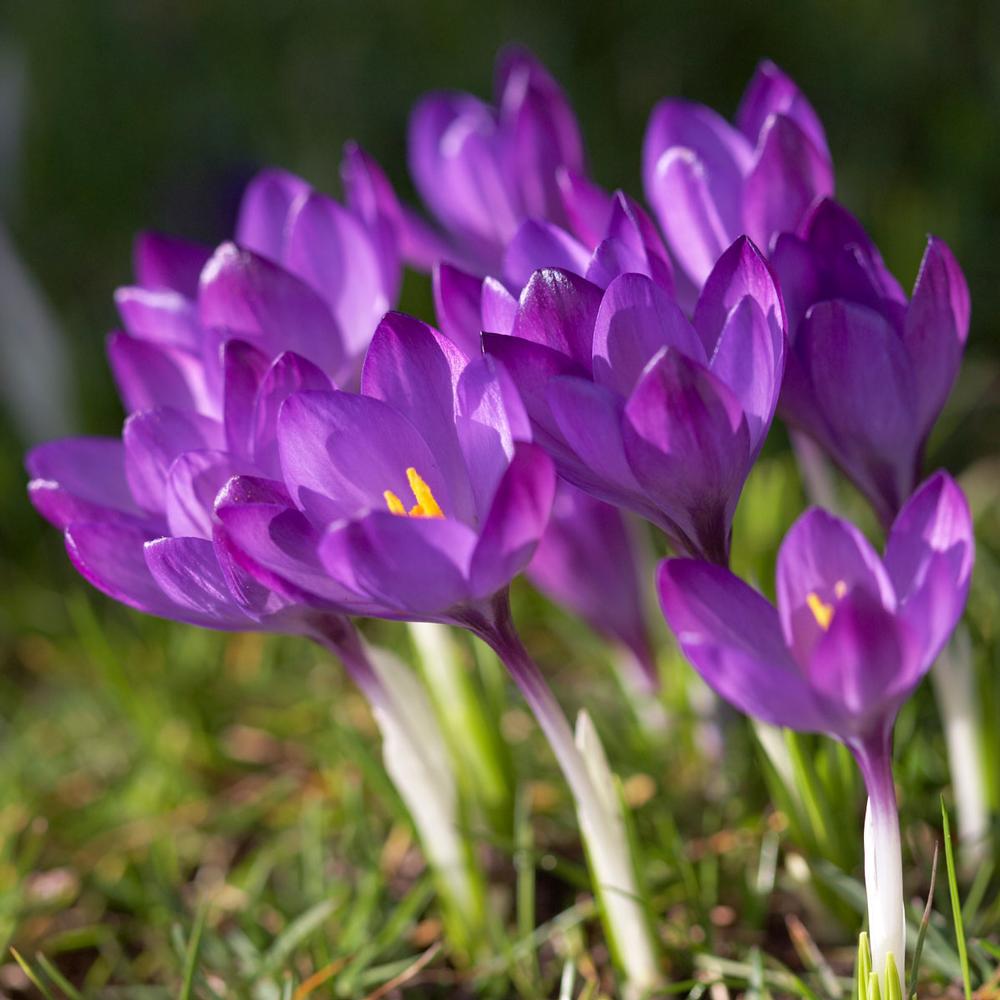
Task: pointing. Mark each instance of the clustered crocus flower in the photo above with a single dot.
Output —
(850, 638)
(296, 455)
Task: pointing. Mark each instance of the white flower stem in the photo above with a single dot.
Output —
(954, 682)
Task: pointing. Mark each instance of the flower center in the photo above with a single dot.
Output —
(426, 505)
(823, 612)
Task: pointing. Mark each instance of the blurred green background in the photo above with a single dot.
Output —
(124, 115)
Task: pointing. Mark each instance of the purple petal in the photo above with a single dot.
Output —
(331, 250)
(750, 360)
(499, 307)
(250, 296)
(151, 375)
(732, 637)
(772, 92)
(407, 567)
(457, 297)
(936, 328)
(739, 272)
(587, 206)
(340, 452)
(790, 174)
(688, 215)
(820, 556)
(636, 319)
(515, 522)
(168, 263)
(632, 245)
(153, 440)
(864, 666)
(539, 244)
(798, 276)
(193, 482)
(263, 224)
(275, 544)
(557, 310)
(74, 476)
(244, 367)
(863, 390)
(412, 368)
(687, 442)
(289, 374)
(160, 315)
(187, 571)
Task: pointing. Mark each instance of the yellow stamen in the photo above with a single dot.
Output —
(823, 612)
(393, 502)
(426, 505)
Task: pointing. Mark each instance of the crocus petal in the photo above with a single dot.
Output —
(732, 637)
(750, 360)
(340, 452)
(631, 244)
(90, 469)
(409, 566)
(243, 366)
(558, 309)
(790, 174)
(687, 442)
(864, 666)
(929, 557)
(411, 367)
(688, 216)
(153, 440)
(290, 373)
(636, 319)
(248, 295)
(266, 211)
(457, 296)
(187, 571)
(771, 92)
(490, 417)
(820, 556)
(741, 271)
(111, 558)
(539, 244)
(166, 262)
(936, 328)
(587, 206)
(863, 389)
(330, 249)
(151, 375)
(499, 307)
(160, 315)
(193, 482)
(275, 544)
(515, 522)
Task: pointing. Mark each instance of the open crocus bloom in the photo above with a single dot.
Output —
(709, 181)
(641, 407)
(868, 371)
(421, 497)
(849, 640)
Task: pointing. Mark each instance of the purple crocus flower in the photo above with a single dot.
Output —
(850, 638)
(211, 346)
(709, 181)
(868, 371)
(642, 408)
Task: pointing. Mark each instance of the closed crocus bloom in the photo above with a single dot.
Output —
(850, 638)
(869, 371)
(642, 408)
(709, 181)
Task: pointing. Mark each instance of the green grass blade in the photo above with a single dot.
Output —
(58, 978)
(193, 950)
(956, 906)
(30, 973)
(925, 922)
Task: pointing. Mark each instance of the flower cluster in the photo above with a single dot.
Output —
(295, 455)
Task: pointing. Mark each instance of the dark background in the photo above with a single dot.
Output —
(120, 115)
